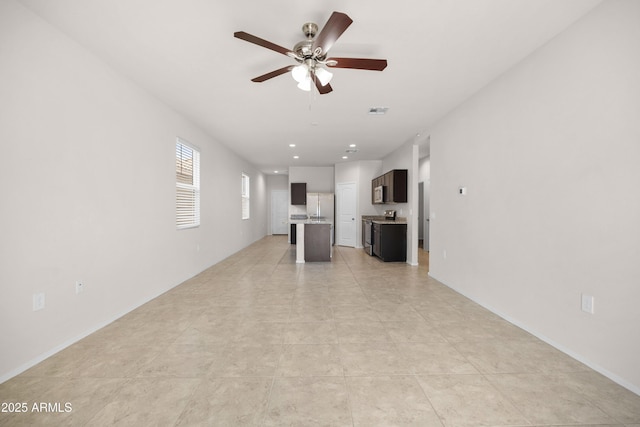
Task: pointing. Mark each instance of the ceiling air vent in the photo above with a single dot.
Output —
(378, 111)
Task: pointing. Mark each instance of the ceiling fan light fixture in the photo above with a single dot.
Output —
(324, 76)
(300, 73)
(305, 85)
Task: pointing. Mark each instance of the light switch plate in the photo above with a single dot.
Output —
(38, 301)
(587, 303)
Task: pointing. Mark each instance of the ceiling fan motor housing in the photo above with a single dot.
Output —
(310, 30)
(304, 48)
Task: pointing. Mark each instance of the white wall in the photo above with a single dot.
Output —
(360, 172)
(347, 172)
(549, 153)
(369, 169)
(406, 157)
(424, 170)
(88, 193)
(319, 179)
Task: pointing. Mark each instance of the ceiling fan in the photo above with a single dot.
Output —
(311, 55)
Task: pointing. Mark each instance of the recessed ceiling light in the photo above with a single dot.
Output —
(352, 145)
(378, 111)
(292, 145)
(275, 171)
(345, 157)
(296, 157)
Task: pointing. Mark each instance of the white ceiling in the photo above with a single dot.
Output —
(439, 52)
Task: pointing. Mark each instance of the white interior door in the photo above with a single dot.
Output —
(346, 214)
(279, 212)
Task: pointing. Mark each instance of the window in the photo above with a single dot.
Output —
(187, 185)
(245, 196)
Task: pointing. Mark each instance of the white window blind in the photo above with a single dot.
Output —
(187, 185)
(246, 185)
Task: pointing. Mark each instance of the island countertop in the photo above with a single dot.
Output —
(310, 221)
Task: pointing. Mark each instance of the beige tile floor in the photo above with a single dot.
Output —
(260, 340)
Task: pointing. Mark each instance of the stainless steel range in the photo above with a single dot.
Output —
(390, 215)
(367, 235)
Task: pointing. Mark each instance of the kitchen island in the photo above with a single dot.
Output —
(313, 241)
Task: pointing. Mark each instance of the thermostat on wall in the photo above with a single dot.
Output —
(462, 191)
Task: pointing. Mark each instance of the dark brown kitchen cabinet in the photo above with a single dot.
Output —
(396, 182)
(317, 242)
(387, 178)
(298, 193)
(390, 242)
(395, 186)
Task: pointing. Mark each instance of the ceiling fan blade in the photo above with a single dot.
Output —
(358, 63)
(272, 74)
(332, 30)
(261, 42)
(323, 89)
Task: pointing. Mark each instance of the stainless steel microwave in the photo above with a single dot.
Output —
(378, 194)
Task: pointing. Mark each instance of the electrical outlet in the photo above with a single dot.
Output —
(587, 303)
(79, 287)
(444, 254)
(38, 301)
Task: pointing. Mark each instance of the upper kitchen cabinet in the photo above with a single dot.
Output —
(298, 193)
(394, 184)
